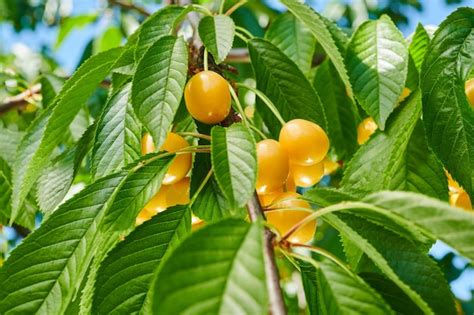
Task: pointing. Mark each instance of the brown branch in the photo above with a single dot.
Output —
(129, 6)
(19, 100)
(277, 306)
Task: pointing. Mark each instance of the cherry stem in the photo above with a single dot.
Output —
(244, 31)
(221, 8)
(241, 36)
(239, 105)
(206, 66)
(325, 253)
(265, 100)
(235, 7)
(200, 188)
(323, 211)
(195, 135)
(261, 134)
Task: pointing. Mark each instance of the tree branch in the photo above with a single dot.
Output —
(277, 306)
(19, 100)
(129, 6)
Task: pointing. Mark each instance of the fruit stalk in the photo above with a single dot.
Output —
(277, 306)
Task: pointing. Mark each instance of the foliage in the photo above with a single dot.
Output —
(113, 238)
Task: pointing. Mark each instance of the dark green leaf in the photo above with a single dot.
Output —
(217, 34)
(218, 270)
(118, 136)
(234, 162)
(448, 117)
(285, 85)
(377, 62)
(132, 263)
(294, 39)
(158, 84)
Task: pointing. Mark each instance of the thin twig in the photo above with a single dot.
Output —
(129, 6)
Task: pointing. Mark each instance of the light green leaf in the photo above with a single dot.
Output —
(44, 271)
(377, 62)
(133, 262)
(137, 190)
(47, 131)
(158, 84)
(217, 34)
(436, 219)
(341, 112)
(447, 115)
(218, 270)
(110, 38)
(50, 86)
(9, 142)
(401, 261)
(73, 23)
(397, 159)
(418, 45)
(159, 24)
(318, 27)
(56, 179)
(294, 39)
(333, 290)
(285, 85)
(117, 142)
(234, 162)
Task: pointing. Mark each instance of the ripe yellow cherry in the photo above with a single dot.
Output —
(207, 97)
(273, 166)
(461, 200)
(366, 128)
(182, 162)
(178, 193)
(330, 166)
(143, 216)
(307, 175)
(158, 202)
(147, 144)
(267, 199)
(470, 91)
(452, 184)
(405, 93)
(284, 220)
(305, 142)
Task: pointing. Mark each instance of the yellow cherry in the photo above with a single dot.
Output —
(267, 199)
(147, 145)
(307, 175)
(366, 128)
(305, 141)
(405, 93)
(284, 220)
(461, 200)
(330, 166)
(178, 193)
(158, 202)
(470, 91)
(207, 97)
(273, 166)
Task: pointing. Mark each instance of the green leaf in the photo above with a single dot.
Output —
(110, 38)
(137, 190)
(436, 219)
(294, 39)
(158, 84)
(285, 85)
(401, 261)
(44, 271)
(56, 179)
(6, 189)
(48, 129)
(73, 23)
(341, 112)
(9, 142)
(397, 159)
(318, 27)
(118, 136)
(218, 270)
(159, 24)
(234, 162)
(377, 62)
(132, 263)
(448, 117)
(419, 45)
(50, 86)
(217, 34)
(332, 290)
